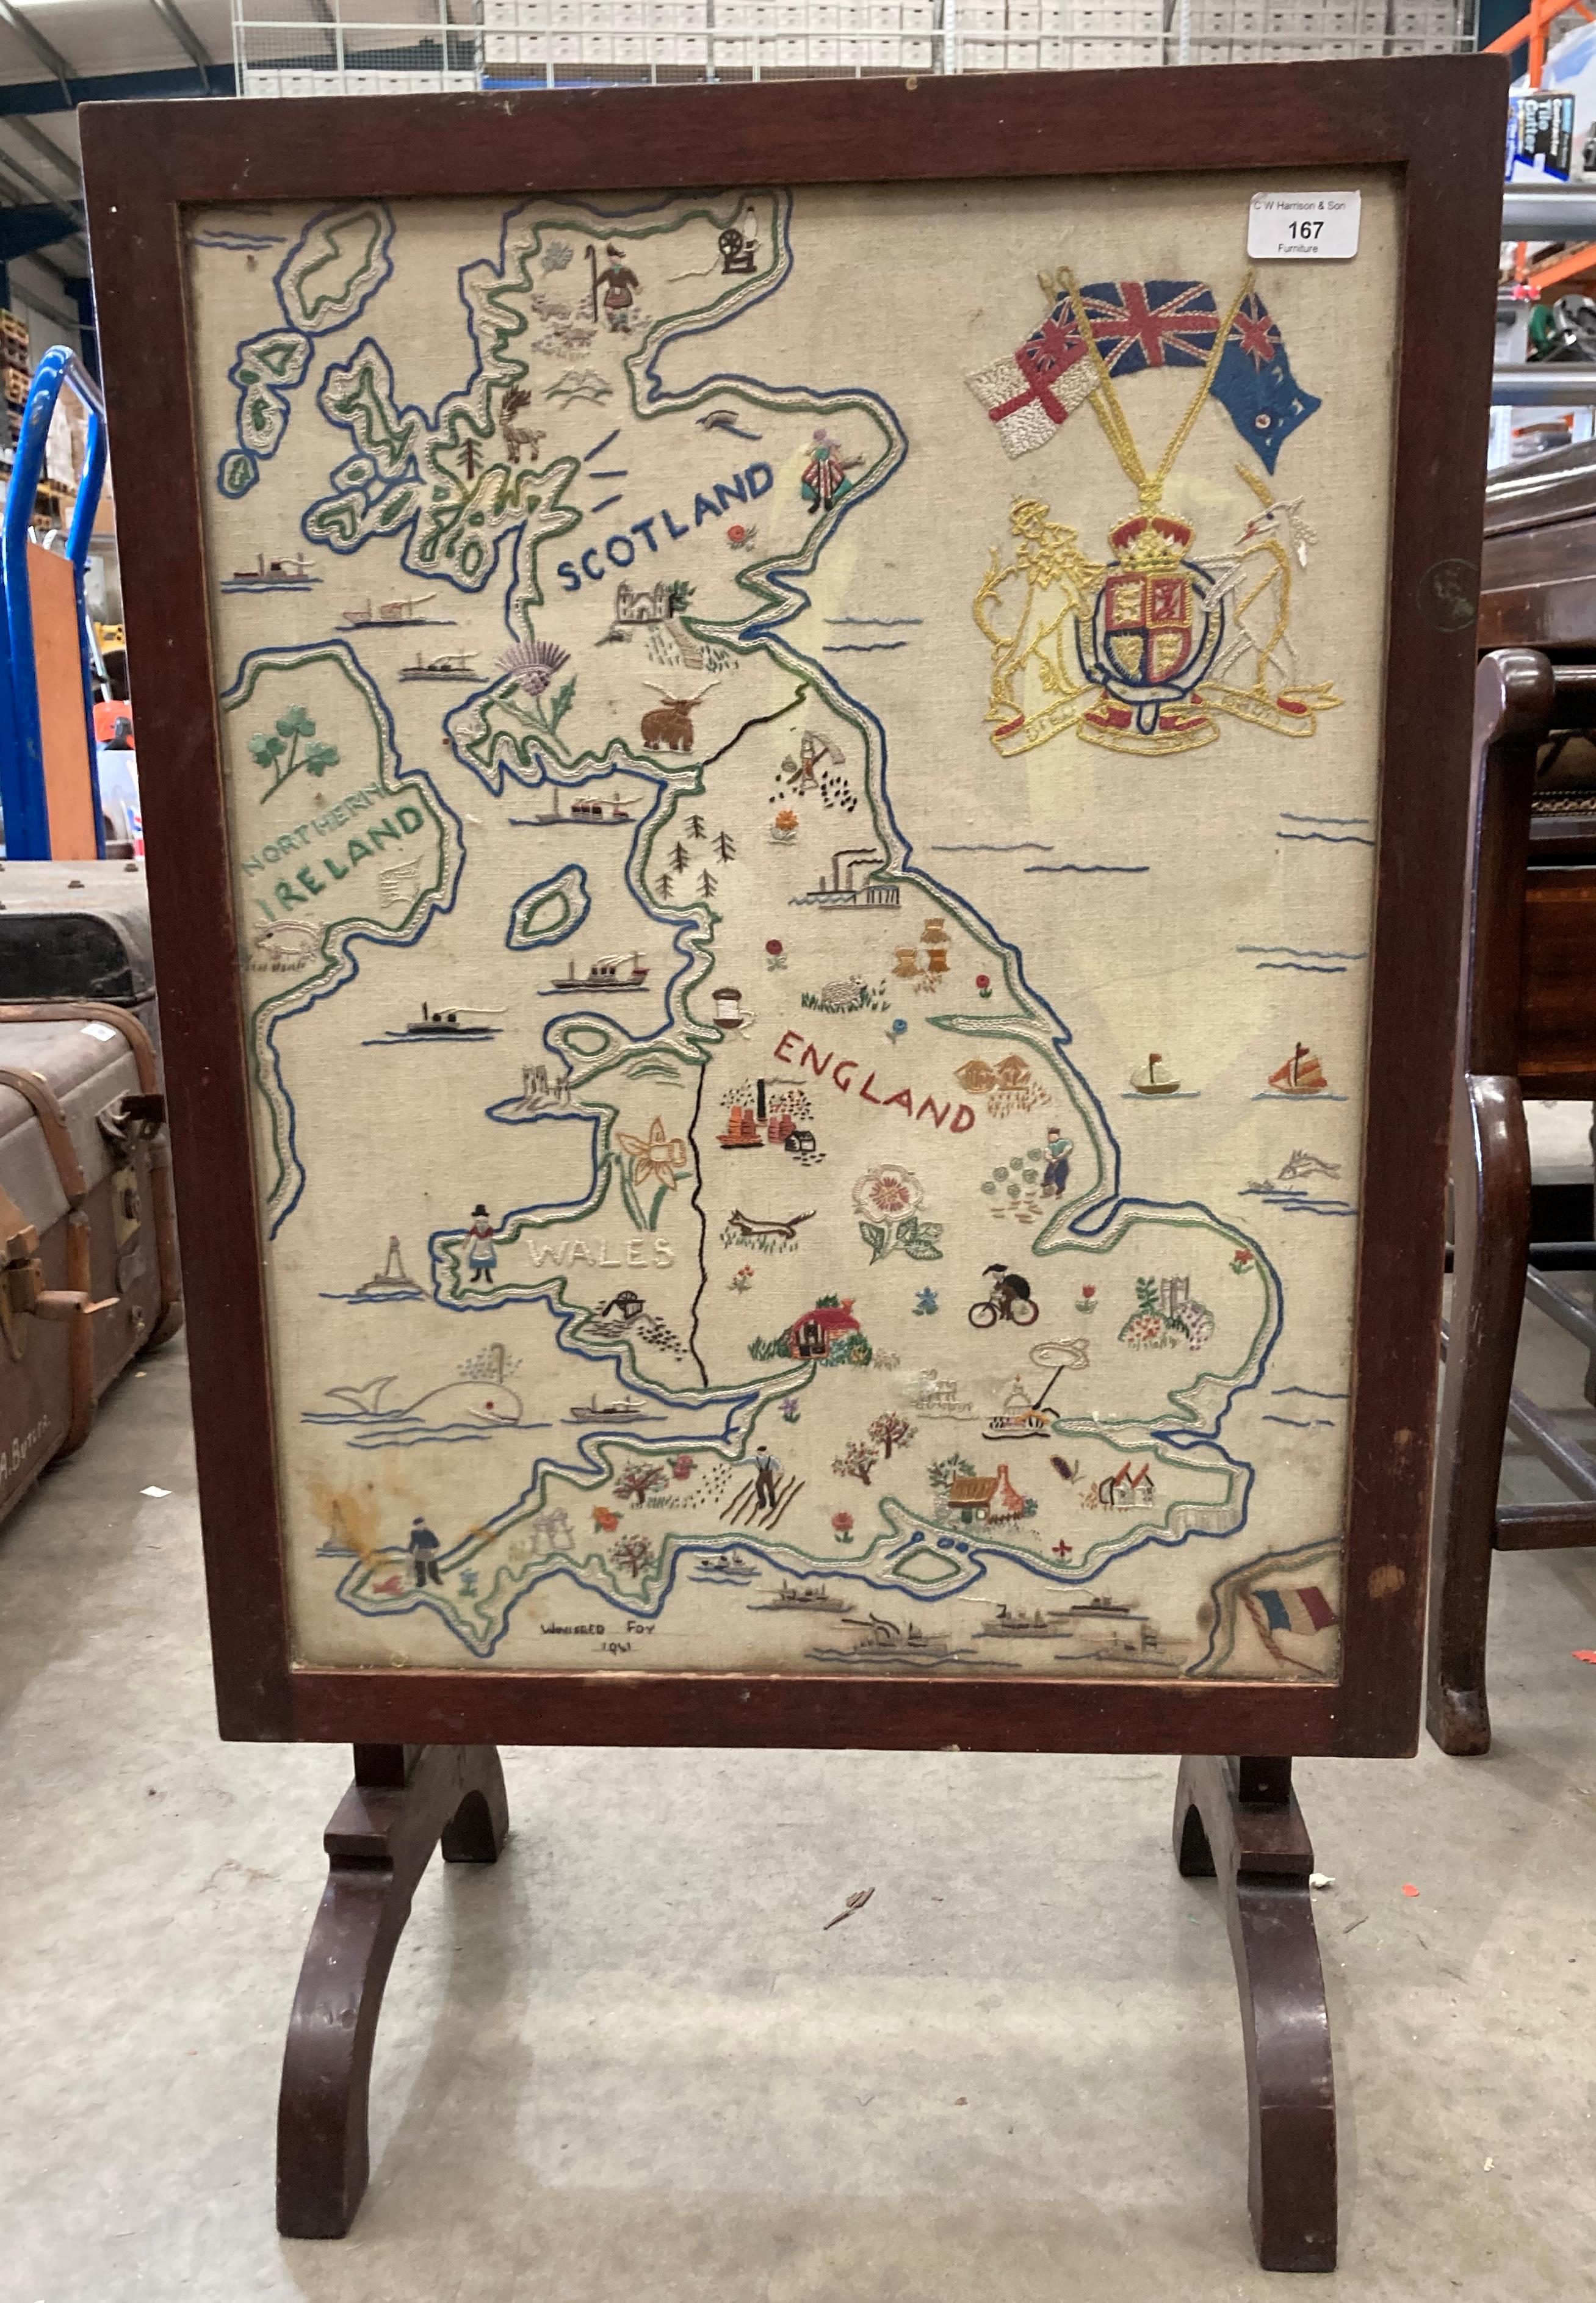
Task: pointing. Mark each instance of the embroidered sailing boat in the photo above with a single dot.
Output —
(1154, 1077)
(1304, 1075)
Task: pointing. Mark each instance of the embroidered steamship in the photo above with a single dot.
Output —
(603, 975)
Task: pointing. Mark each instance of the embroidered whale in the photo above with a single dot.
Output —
(453, 1411)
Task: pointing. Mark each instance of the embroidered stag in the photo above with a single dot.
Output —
(517, 436)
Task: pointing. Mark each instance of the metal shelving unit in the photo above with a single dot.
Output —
(375, 47)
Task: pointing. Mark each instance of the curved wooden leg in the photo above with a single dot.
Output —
(402, 1803)
(1490, 1174)
(1239, 1821)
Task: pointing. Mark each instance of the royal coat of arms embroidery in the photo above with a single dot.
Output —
(1139, 654)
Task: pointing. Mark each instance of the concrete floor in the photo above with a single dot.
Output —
(631, 2065)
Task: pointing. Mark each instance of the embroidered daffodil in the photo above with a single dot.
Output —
(658, 1158)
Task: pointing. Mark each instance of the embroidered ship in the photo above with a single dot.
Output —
(816, 1602)
(605, 1411)
(724, 1567)
(1016, 1625)
(272, 576)
(460, 664)
(1019, 1423)
(373, 614)
(882, 1640)
(603, 975)
(392, 1282)
(1154, 1077)
(582, 811)
(1304, 1075)
(444, 1023)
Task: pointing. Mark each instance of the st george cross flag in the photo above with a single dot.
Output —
(1029, 396)
(1255, 386)
(1137, 324)
(1300, 1611)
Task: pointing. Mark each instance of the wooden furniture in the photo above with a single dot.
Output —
(1431, 128)
(1528, 1023)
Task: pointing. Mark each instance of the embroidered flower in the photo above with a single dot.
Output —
(533, 663)
(888, 1192)
(658, 1158)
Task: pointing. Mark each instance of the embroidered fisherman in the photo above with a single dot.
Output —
(482, 1255)
(621, 285)
(825, 474)
(765, 1468)
(424, 1549)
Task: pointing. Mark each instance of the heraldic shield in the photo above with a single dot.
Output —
(1155, 630)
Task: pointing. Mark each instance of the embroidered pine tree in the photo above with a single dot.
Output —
(725, 847)
(891, 1430)
(680, 858)
(467, 457)
(664, 886)
(694, 827)
(707, 883)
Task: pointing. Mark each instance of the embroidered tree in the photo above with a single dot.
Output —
(951, 1467)
(632, 1554)
(637, 1485)
(694, 827)
(707, 883)
(891, 1430)
(663, 888)
(725, 847)
(680, 858)
(856, 1461)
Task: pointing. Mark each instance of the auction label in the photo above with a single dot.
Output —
(1322, 225)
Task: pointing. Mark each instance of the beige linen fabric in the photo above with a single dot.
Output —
(634, 1312)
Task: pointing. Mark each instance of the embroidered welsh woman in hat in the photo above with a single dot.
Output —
(482, 1255)
(825, 474)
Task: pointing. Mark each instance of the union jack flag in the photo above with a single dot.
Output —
(1142, 323)
(1137, 324)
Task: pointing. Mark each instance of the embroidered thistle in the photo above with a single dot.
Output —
(533, 663)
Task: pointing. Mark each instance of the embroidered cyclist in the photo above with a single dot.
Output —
(1009, 1297)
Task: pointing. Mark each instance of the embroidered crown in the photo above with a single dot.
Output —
(1151, 545)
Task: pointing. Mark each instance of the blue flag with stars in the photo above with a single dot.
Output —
(1255, 386)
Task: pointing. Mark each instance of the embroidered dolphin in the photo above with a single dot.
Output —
(452, 1403)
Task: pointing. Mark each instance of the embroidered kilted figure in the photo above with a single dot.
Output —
(825, 474)
(621, 285)
(481, 1256)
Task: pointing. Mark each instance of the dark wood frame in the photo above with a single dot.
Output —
(1438, 124)
(1528, 1022)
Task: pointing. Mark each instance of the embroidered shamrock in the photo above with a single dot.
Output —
(279, 750)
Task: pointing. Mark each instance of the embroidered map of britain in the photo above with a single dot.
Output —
(802, 773)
